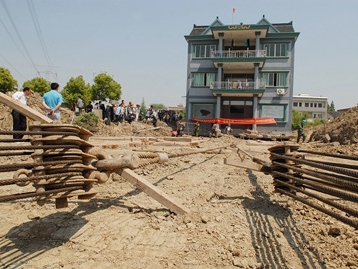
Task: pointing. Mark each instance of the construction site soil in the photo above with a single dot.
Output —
(236, 219)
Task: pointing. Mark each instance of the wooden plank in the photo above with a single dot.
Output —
(23, 109)
(178, 139)
(152, 191)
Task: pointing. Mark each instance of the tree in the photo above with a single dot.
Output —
(331, 107)
(7, 82)
(39, 85)
(159, 107)
(76, 87)
(143, 108)
(105, 87)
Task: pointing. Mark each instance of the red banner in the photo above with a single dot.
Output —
(247, 121)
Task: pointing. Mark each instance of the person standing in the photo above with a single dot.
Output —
(196, 131)
(301, 132)
(89, 107)
(52, 101)
(103, 108)
(79, 105)
(19, 120)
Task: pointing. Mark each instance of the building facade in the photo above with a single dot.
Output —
(241, 71)
(314, 106)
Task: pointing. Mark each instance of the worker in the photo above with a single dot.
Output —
(196, 131)
(301, 132)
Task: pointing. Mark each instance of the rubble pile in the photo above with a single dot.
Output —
(342, 129)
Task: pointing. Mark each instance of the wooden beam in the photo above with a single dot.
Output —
(152, 191)
(248, 165)
(23, 109)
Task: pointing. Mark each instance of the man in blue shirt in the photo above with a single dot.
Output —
(52, 101)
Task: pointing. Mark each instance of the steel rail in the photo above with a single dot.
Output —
(12, 197)
(319, 187)
(20, 147)
(319, 174)
(339, 206)
(355, 158)
(4, 182)
(346, 220)
(343, 165)
(338, 170)
(14, 166)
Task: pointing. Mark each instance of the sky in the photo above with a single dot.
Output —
(141, 43)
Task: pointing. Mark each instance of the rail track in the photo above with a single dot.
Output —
(324, 181)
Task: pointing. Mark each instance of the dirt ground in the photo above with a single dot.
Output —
(236, 220)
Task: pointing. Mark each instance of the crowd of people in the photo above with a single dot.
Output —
(116, 114)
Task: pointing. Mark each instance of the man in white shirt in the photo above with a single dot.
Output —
(19, 120)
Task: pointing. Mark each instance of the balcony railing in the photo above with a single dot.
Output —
(237, 84)
(238, 54)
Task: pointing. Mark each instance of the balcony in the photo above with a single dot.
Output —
(238, 54)
(238, 61)
(238, 88)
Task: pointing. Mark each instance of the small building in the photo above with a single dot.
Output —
(314, 106)
(179, 107)
(243, 71)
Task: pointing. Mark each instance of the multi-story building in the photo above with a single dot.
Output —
(241, 71)
(314, 106)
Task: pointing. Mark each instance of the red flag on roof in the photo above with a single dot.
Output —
(233, 10)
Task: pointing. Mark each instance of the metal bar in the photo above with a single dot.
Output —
(339, 206)
(329, 154)
(318, 165)
(333, 180)
(338, 193)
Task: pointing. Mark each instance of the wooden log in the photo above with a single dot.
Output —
(152, 191)
(23, 109)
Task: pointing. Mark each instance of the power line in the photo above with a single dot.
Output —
(18, 35)
(17, 46)
(40, 36)
(12, 66)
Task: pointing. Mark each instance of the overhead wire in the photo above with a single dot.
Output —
(35, 20)
(13, 67)
(12, 38)
(19, 36)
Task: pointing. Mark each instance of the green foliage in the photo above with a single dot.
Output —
(39, 85)
(159, 107)
(105, 87)
(7, 82)
(86, 120)
(330, 107)
(143, 108)
(76, 87)
(297, 118)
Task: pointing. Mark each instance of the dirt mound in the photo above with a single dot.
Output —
(342, 129)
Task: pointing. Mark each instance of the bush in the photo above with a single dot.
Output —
(86, 120)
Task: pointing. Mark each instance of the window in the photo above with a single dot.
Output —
(273, 111)
(307, 104)
(275, 79)
(203, 51)
(320, 105)
(295, 103)
(202, 79)
(276, 50)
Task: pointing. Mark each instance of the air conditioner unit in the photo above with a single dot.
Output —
(280, 91)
